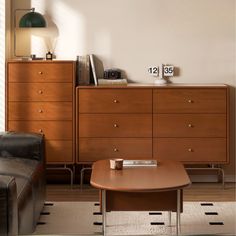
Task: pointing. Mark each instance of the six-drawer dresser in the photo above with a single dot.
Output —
(188, 123)
(83, 124)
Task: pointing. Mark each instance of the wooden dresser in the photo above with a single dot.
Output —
(189, 123)
(40, 98)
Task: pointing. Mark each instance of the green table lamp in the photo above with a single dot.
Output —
(31, 19)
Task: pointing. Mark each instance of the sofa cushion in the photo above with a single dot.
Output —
(18, 167)
(22, 145)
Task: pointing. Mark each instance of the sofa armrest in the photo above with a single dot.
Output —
(22, 145)
(8, 206)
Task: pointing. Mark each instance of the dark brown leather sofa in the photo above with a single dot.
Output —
(22, 182)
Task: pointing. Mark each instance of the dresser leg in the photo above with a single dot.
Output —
(104, 212)
(82, 176)
(67, 168)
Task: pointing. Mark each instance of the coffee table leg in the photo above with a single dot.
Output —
(169, 218)
(104, 212)
(178, 212)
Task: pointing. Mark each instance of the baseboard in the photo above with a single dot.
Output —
(211, 178)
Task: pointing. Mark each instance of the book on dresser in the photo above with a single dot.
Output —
(83, 70)
(93, 69)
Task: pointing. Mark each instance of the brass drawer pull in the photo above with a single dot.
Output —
(40, 131)
(190, 150)
(115, 101)
(190, 125)
(40, 111)
(40, 91)
(115, 150)
(115, 126)
(40, 72)
(190, 101)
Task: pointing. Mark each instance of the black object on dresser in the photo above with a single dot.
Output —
(22, 182)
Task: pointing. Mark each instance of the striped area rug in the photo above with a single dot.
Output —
(83, 218)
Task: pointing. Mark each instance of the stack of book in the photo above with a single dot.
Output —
(87, 73)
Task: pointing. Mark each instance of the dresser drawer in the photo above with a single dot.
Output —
(39, 111)
(58, 130)
(40, 92)
(40, 72)
(191, 150)
(93, 149)
(59, 152)
(115, 100)
(199, 100)
(189, 125)
(115, 125)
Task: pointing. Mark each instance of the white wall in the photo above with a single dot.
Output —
(2, 65)
(197, 36)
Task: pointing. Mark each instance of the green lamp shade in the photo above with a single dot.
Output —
(32, 19)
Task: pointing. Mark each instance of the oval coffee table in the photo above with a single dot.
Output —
(157, 188)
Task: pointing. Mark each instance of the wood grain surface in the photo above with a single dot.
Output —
(168, 175)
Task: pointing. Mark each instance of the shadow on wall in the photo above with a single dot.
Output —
(49, 34)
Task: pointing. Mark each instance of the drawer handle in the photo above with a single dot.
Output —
(115, 150)
(40, 111)
(190, 125)
(40, 131)
(115, 101)
(190, 101)
(190, 150)
(40, 91)
(40, 72)
(116, 126)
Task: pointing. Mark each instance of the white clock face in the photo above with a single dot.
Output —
(168, 71)
(153, 70)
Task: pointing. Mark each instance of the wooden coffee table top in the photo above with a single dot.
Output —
(168, 175)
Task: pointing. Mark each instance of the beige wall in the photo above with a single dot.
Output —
(197, 36)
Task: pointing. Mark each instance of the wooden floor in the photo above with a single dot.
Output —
(197, 192)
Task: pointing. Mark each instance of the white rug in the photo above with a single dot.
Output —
(77, 218)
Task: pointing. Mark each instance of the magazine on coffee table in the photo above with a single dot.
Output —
(140, 163)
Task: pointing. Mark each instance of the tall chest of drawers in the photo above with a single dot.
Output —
(40, 98)
(188, 123)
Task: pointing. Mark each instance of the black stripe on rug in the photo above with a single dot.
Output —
(216, 223)
(97, 223)
(97, 213)
(48, 204)
(207, 204)
(155, 213)
(96, 204)
(44, 213)
(157, 223)
(41, 223)
(211, 213)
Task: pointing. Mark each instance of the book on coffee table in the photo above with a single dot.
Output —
(140, 163)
